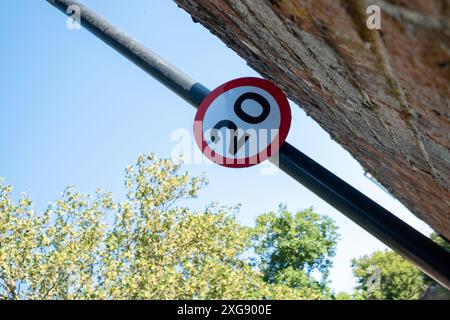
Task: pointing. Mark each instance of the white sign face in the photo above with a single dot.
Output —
(242, 123)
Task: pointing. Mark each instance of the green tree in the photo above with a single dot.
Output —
(343, 296)
(292, 247)
(397, 278)
(145, 247)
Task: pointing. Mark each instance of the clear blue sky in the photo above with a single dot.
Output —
(73, 111)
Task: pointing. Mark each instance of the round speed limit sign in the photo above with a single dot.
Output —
(242, 123)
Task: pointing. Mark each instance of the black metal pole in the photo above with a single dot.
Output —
(392, 231)
(160, 69)
(408, 242)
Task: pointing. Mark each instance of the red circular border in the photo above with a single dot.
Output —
(285, 121)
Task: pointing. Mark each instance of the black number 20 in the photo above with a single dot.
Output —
(238, 143)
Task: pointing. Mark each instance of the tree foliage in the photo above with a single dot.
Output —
(150, 247)
(292, 247)
(397, 277)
